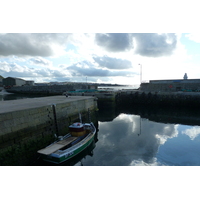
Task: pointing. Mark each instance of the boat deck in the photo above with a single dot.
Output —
(56, 146)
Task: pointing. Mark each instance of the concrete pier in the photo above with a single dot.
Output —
(20, 119)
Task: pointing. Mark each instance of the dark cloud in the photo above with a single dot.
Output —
(155, 45)
(147, 44)
(115, 42)
(113, 63)
(36, 44)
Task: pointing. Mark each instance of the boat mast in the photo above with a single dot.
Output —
(80, 118)
(55, 118)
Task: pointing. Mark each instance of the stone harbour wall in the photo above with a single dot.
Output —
(50, 119)
(172, 99)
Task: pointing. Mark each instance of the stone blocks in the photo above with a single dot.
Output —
(29, 122)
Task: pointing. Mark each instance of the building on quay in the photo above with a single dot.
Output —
(173, 85)
(12, 82)
(1, 81)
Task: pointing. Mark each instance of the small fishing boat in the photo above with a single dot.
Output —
(80, 136)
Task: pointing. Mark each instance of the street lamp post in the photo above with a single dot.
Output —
(140, 73)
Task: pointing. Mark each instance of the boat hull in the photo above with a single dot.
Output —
(68, 154)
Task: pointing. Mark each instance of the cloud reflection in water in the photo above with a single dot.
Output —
(130, 141)
(123, 142)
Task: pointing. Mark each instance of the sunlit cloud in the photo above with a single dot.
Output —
(140, 162)
(194, 37)
(192, 132)
(172, 129)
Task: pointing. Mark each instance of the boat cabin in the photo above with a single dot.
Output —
(77, 129)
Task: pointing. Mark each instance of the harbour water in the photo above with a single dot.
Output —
(131, 140)
(142, 136)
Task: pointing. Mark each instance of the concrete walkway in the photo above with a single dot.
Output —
(23, 104)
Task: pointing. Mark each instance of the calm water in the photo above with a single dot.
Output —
(164, 137)
(130, 140)
(140, 136)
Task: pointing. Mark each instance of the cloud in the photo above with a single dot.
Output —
(144, 44)
(15, 70)
(113, 63)
(192, 132)
(155, 45)
(194, 37)
(32, 44)
(87, 68)
(39, 61)
(114, 42)
(96, 55)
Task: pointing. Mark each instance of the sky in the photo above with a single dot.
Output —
(118, 58)
(122, 43)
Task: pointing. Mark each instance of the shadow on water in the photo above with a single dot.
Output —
(188, 116)
(163, 114)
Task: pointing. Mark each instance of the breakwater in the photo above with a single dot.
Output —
(172, 99)
(30, 124)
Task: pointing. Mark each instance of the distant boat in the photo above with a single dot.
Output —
(80, 137)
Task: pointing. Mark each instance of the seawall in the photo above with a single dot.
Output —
(27, 122)
(147, 98)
